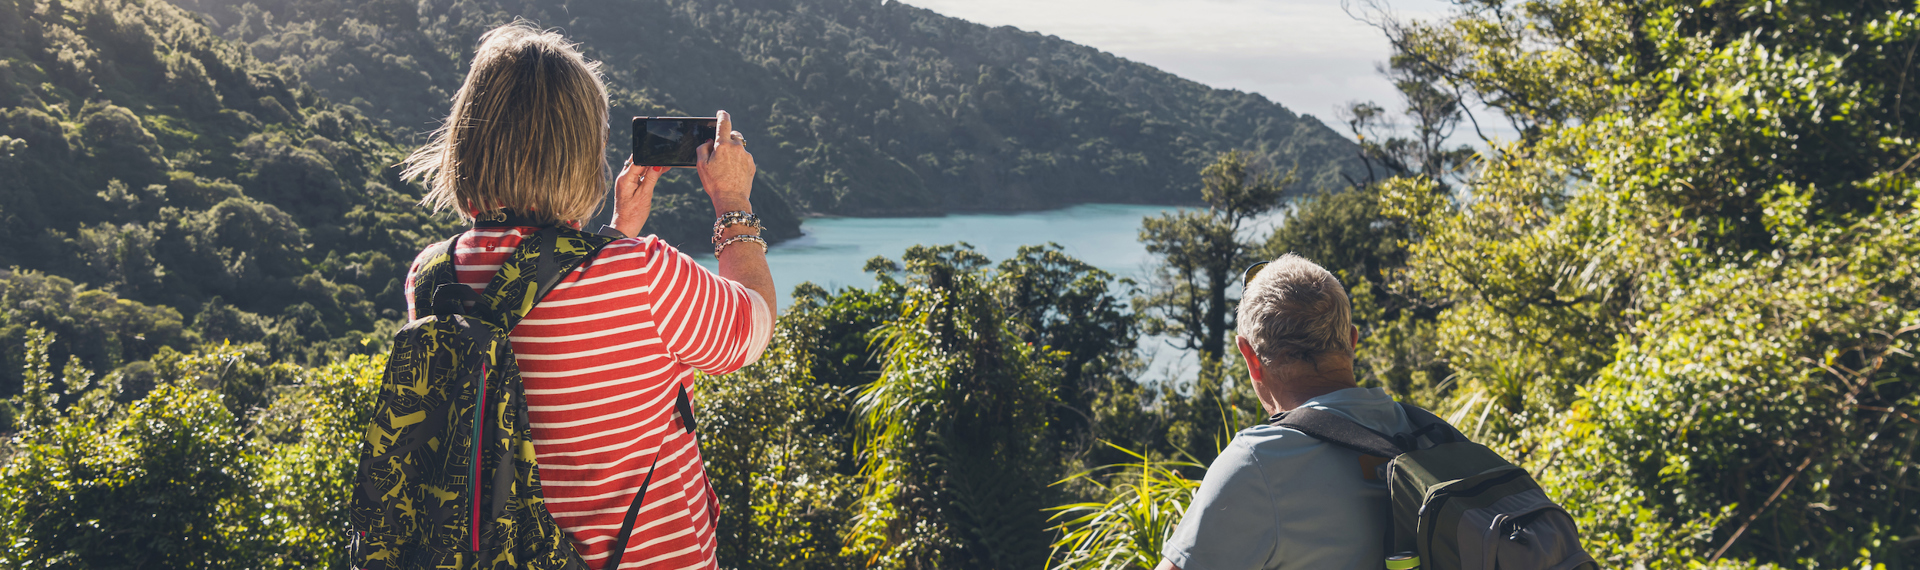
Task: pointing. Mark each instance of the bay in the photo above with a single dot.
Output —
(1106, 236)
(834, 249)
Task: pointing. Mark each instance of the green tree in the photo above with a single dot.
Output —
(1077, 312)
(101, 331)
(307, 445)
(1201, 252)
(162, 479)
(156, 163)
(1668, 294)
(1434, 109)
(1199, 255)
(991, 344)
(177, 477)
(776, 443)
(954, 470)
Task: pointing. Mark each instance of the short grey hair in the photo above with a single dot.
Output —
(1294, 310)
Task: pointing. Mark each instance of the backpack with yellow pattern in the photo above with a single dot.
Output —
(447, 475)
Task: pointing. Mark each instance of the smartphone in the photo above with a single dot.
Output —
(670, 141)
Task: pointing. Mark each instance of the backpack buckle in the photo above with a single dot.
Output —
(454, 299)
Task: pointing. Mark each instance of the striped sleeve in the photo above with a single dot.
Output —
(705, 320)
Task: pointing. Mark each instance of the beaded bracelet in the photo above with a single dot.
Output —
(722, 245)
(733, 218)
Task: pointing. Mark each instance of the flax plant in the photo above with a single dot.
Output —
(1145, 501)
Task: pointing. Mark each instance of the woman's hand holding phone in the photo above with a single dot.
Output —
(726, 172)
(726, 169)
(633, 196)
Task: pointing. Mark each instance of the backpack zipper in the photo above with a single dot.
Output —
(1440, 499)
(479, 417)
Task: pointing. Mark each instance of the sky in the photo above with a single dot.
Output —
(1310, 56)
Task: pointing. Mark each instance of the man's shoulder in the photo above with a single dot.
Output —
(1265, 437)
(1273, 451)
(1370, 407)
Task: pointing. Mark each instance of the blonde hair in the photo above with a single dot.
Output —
(1294, 310)
(528, 132)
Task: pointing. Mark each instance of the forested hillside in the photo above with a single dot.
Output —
(851, 107)
(146, 158)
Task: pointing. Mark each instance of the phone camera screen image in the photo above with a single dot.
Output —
(670, 141)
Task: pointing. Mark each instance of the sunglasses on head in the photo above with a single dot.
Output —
(1246, 277)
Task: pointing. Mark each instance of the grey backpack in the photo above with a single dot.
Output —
(1455, 505)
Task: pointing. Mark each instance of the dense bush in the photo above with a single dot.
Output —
(1682, 295)
(229, 461)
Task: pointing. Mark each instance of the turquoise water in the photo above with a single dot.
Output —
(834, 249)
(1104, 235)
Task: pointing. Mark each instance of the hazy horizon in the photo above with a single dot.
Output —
(1310, 56)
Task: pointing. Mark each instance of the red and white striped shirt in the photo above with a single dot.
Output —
(603, 357)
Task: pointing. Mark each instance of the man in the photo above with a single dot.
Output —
(1277, 498)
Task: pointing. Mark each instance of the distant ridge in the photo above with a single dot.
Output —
(853, 107)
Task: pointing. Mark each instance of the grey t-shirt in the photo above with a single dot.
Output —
(1280, 499)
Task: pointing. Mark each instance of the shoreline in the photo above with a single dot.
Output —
(974, 212)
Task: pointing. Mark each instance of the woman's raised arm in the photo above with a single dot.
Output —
(726, 172)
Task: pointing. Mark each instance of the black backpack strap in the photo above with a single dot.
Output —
(633, 512)
(1338, 430)
(1427, 424)
(685, 408)
(437, 270)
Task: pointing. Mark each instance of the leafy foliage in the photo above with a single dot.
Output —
(776, 443)
(178, 477)
(1679, 296)
(952, 468)
(957, 419)
(1669, 294)
(1129, 529)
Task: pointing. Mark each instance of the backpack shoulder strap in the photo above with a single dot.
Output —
(633, 512)
(1338, 430)
(540, 263)
(437, 270)
(1427, 424)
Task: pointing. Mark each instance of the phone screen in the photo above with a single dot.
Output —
(670, 141)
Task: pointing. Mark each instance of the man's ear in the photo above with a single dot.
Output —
(1254, 368)
(1356, 338)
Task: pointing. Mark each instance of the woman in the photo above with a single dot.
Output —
(609, 354)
